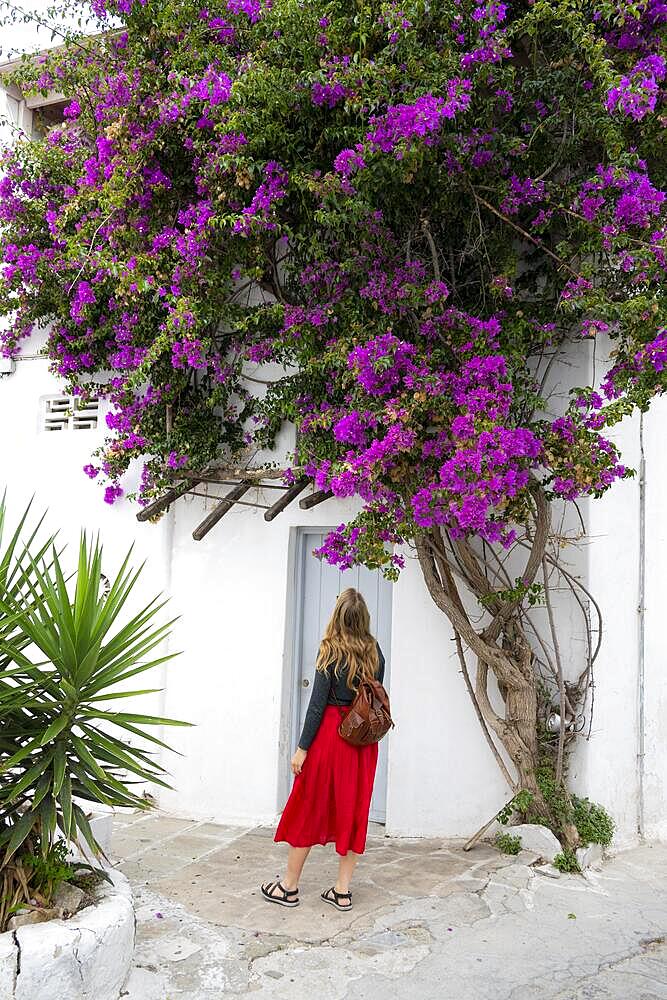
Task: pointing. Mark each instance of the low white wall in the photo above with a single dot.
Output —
(87, 957)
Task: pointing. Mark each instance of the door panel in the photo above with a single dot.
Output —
(319, 587)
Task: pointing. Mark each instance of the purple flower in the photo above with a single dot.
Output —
(350, 428)
(83, 296)
(214, 87)
(521, 193)
(260, 210)
(73, 110)
(437, 291)
(636, 94)
(188, 354)
(176, 461)
(655, 352)
(348, 162)
(382, 363)
(565, 428)
(420, 120)
(251, 8)
(112, 493)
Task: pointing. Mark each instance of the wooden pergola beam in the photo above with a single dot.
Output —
(224, 473)
(251, 480)
(314, 499)
(219, 512)
(286, 499)
(165, 501)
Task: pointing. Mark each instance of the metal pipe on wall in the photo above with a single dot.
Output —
(641, 635)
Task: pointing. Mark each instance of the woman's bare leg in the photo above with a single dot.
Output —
(296, 859)
(346, 866)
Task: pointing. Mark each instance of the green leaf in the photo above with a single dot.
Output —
(142, 720)
(56, 727)
(81, 823)
(65, 801)
(94, 788)
(31, 776)
(58, 768)
(111, 678)
(124, 694)
(111, 743)
(20, 755)
(49, 817)
(43, 789)
(87, 758)
(20, 832)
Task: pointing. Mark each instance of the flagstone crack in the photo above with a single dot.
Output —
(75, 953)
(269, 945)
(651, 944)
(654, 943)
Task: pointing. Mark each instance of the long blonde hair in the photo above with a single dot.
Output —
(348, 640)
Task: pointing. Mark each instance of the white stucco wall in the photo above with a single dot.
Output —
(655, 639)
(233, 596)
(605, 766)
(49, 466)
(233, 592)
(442, 775)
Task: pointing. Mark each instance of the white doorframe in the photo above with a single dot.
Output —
(290, 700)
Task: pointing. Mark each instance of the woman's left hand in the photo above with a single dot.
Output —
(298, 759)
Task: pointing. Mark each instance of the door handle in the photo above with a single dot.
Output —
(305, 682)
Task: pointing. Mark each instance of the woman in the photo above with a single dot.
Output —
(332, 790)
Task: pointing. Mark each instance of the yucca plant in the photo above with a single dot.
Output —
(66, 655)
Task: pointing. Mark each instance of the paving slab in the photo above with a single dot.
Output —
(429, 921)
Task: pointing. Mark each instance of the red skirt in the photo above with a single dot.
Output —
(331, 798)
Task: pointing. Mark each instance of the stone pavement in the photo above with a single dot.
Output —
(428, 921)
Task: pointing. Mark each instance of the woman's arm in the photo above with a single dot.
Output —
(316, 706)
(381, 664)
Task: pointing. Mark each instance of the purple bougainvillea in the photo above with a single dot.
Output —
(406, 215)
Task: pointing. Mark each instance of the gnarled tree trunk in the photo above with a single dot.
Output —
(503, 648)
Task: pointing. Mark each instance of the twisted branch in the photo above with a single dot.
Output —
(559, 670)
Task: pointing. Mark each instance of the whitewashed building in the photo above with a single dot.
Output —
(253, 602)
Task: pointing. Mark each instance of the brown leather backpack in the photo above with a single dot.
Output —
(369, 717)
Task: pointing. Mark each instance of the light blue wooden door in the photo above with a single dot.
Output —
(319, 585)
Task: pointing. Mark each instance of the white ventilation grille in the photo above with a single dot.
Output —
(57, 413)
(69, 413)
(84, 416)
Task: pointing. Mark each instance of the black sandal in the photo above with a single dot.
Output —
(336, 896)
(283, 900)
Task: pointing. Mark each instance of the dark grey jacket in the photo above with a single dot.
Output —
(329, 690)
